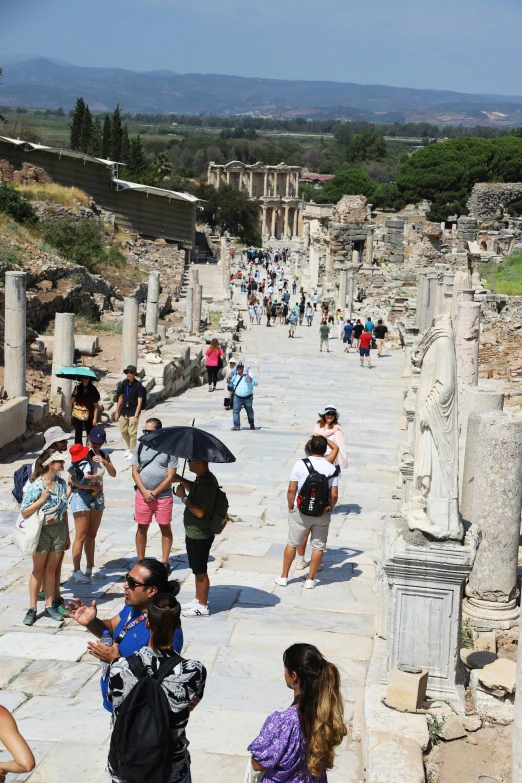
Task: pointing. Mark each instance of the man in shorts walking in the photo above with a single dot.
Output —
(300, 524)
(153, 474)
(380, 332)
(365, 342)
(324, 335)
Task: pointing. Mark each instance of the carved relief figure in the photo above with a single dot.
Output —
(433, 506)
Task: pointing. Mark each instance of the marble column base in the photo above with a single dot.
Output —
(491, 613)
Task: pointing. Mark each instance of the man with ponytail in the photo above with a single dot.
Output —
(298, 745)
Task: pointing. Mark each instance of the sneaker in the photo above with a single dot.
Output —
(30, 617)
(310, 584)
(282, 581)
(58, 605)
(41, 595)
(236, 429)
(252, 427)
(130, 455)
(196, 610)
(210, 388)
(53, 613)
(94, 573)
(190, 604)
(301, 565)
(78, 576)
(126, 454)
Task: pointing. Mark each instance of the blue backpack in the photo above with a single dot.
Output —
(20, 479)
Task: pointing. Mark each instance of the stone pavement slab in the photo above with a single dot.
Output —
(252, 619)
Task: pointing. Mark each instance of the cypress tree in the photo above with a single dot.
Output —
(76, 125)
(137, 162)
(86, 131)
(107, 136)
(96, 138)
(125, 149)
(117, 135)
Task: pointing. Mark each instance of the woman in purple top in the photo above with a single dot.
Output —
(298, 745)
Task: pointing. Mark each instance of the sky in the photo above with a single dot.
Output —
(464, 45)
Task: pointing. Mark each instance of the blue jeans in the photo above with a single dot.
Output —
(246, 403)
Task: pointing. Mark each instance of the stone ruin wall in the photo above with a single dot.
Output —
(489, 200)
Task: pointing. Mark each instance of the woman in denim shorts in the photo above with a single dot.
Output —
(87, 501)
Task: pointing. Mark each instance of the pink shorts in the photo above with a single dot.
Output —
(160, 508)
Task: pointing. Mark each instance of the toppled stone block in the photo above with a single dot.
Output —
(406, 690)
(471, 722)
(501, 674)
(453, 729)
(500, 708)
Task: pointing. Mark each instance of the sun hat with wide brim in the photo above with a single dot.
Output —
(329, 409)
(56, 456)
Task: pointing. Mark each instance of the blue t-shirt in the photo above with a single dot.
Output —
(135, 638)
(348, 329)
(369, 325)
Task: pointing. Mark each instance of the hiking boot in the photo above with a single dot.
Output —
(53, 613)
(30, 617)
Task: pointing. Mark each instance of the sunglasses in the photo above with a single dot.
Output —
(133, 584)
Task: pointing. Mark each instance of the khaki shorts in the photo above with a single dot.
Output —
(299, 525)
(53, 538)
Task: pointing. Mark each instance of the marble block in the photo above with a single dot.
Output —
(12, 699)
(48, 717)
(10, 668)
(78, 762)
(39, 646)
(53, 678)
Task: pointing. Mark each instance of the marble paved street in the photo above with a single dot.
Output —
(51, 684)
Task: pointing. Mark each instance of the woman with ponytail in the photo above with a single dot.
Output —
(298, 745)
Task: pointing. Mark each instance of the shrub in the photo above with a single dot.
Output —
(16, 206)
(82, 242)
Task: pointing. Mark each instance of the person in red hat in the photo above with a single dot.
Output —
(89, 465)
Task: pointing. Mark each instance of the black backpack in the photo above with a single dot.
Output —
(20, 478)
(220, 516)
(141, 743)
(313, 499)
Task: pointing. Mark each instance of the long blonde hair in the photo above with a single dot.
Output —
(321, 712)
(214, 345)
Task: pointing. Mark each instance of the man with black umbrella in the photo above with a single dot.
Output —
(200, 498)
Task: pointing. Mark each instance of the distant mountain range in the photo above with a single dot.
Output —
(44, 83)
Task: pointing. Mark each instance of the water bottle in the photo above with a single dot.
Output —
(106, 639)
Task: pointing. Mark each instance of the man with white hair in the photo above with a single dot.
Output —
(243, 390)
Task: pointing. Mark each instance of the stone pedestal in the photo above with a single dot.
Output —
(425, 581)
(129, 338)
(475, 399)
(63, 356)
(15, 334)
(497, 503)
(197, 307)
(342, 288)
(189, 309)
(153, 292)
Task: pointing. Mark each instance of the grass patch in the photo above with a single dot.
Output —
(82, 242)
(51, 193)
(9, 255)
(508, 279)
(90, 326)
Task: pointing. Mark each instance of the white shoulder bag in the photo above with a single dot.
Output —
(26, 533)
(251, 776)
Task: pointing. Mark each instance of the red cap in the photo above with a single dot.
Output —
(78, 452)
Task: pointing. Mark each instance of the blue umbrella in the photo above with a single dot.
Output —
(76, 373)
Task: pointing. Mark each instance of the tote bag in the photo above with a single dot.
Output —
(26, 533)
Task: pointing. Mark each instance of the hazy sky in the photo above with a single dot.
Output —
(465, 45)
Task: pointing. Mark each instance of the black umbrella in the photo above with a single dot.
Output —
(188, 442)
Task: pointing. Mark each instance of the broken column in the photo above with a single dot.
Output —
(369, 247)
(342, 288)
(15, 334)
(356, 258)
(467, 333)
(423, 301)
(196, 308)
(63, 356)
(351, 288)
(153, 292)
(497, 503)
(475, 399)
(129, 340)
(189, 309)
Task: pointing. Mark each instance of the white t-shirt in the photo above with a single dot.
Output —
(321, 465)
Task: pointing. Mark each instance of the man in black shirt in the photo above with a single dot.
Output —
(380, 331)
(131, 397)
(358, 329)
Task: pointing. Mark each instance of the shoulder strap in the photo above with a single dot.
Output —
(142, 467)
(137, 666)
(167, 667)
(309, 466)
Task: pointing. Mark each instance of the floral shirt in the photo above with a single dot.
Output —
(187, 682)
(56, 500)
(281, 749)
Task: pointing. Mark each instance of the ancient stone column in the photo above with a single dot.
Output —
(475, 399)
(129, 340)
(251, 185)
(63, 356)
(492, 587)
(467, 333)
(287, 226)
(369, 246)
(432, 304)
(153, 292)
(274, 217)
(314, 267)
(189, 309)
(423, 300)
(15, 334)
(516, 769)
(342, 288)
(296, 218)
(349, 298)
(194, 276)
(197, 307)
(356, 258)
(265, 226)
